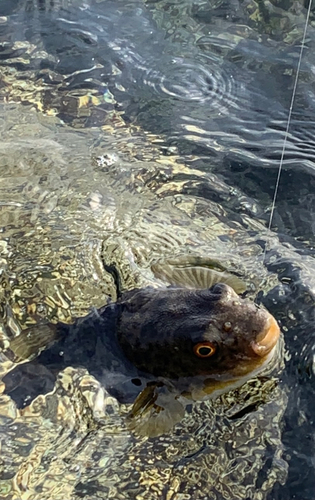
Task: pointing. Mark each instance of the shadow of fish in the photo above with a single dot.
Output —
(158, 348)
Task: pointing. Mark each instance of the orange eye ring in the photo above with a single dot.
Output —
(204, 349)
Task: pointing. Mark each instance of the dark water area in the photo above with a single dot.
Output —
(210, 83)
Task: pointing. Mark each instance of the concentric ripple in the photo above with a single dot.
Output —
(195, 82)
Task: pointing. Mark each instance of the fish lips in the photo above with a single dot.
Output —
(267, 339)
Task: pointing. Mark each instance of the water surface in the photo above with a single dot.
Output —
(133, 131)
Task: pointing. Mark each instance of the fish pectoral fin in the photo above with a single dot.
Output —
(143, 402)
(154, 414)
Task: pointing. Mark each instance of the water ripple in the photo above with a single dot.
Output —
(192, 81)
(190, 93)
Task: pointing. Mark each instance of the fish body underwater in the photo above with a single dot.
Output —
(159, 348)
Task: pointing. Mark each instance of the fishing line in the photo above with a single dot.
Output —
(288, 121)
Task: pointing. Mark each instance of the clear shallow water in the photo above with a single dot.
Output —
(172, 127)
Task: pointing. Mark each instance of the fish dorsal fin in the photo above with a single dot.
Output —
(194, 261)
(197, 277)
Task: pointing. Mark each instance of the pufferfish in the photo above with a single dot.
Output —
(157, 348)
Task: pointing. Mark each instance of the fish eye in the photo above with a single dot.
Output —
(204, 349)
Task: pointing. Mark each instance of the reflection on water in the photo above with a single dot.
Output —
(146, 132)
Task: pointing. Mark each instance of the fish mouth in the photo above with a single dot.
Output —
(267, 339)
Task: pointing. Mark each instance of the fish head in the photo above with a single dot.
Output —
(179, 333)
